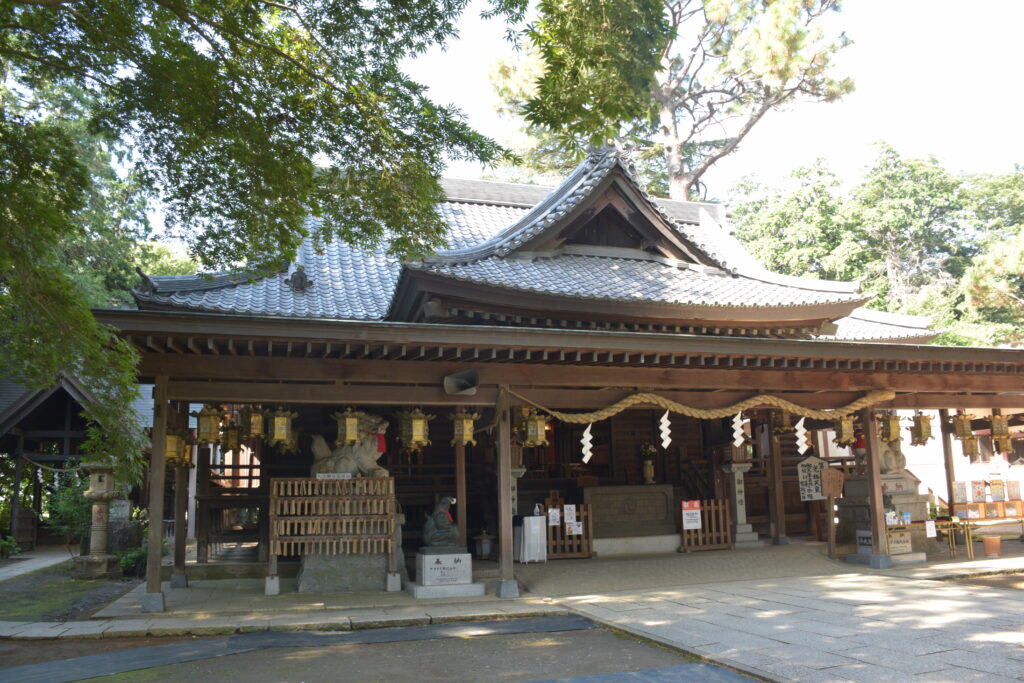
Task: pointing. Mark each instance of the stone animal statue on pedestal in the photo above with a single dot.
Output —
(891, 459)
(358, 458)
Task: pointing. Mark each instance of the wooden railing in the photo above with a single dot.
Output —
(715, 531)
(562, 545)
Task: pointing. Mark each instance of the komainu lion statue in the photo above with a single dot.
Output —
(358, 458)
(892, 460)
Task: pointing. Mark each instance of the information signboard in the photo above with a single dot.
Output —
(691, 514)
(809, 475)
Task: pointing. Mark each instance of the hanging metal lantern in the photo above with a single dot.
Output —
(781, 422)
(253, 423)
(348, 427)
(282, 432)
(209, 419)
(462, 427)
(413, 429)
(535, 430)
(970, 445)
(962, 427)
(231, 437)
(177, 449)
(1001, 442)
(844, 431)
(890, 428)
(921, 429)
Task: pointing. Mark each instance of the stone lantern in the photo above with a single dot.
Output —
(99, 564)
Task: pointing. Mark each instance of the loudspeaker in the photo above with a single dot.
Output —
(462, 383)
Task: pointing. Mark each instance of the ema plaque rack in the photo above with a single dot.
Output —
(332, 517)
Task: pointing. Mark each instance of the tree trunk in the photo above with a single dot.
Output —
(678, 180)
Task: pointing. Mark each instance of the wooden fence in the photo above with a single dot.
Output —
(332, 517)
(562, 545)
(715, 530)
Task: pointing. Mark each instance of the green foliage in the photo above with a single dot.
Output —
(722, 65)
(920, 239)
(8, 547)
(69, 512)
(244, 118)
(599, 61)
(133, 562)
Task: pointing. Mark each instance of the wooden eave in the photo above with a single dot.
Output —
(415, 286)
(180, 326)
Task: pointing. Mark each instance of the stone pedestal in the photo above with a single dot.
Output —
(98, 567)
(899, 493)
(744, 535)
(343, 573)
(444, 572)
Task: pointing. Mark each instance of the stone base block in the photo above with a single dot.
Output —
(98, 567)
(455, 590)
(636, 545)
(508, 589)
(394, 583)
(780, 540)
(343, 573)
(272, 585)
(153, 602)
(179, 580)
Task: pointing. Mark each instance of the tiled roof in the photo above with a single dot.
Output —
(865, 324)
(630, 279)
(348, 283)
(490, 221)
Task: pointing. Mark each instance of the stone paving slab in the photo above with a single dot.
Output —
(857, 627)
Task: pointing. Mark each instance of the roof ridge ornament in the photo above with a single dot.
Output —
(299, 282)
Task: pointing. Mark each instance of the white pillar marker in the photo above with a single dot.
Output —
(801, 436)
(738, 435)
(666, 430)
(585, 443)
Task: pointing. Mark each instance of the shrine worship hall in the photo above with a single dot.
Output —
(580, 365)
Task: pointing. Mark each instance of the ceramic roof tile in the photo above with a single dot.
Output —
(865, 324)
(623, 279)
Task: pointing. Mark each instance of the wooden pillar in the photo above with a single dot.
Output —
(947, 457)
(460, 491)
(153, 601)
(507, 586)
(203, 456)
(16, 494)
(778, 497)
(178, 577)
(879, 547)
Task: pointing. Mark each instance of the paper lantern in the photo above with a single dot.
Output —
(781, 422)
(970, 446)
(535, 429)
(844, 431)
(208, 430)
(282, 431)
(413, 428)
(463, 424)
(1001, 442)
(920, 430)
(348, 427)
(890, 428)
(962, 427)
(253, 423)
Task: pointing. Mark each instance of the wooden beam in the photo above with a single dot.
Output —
(776, 492)
(504, 491)
(523, 375)
(947, 456)
(875, 510)
(460, 491)
(269, 392)
(154, 602)
(180, 527)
